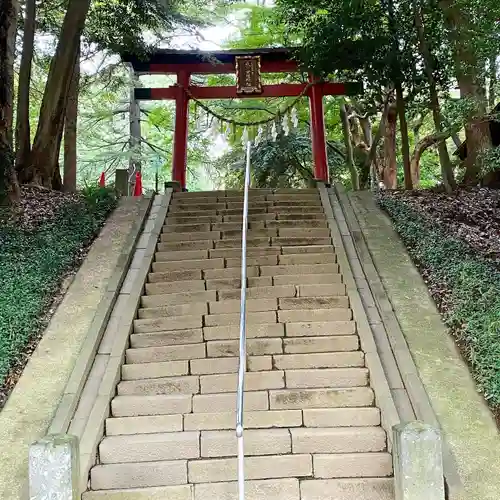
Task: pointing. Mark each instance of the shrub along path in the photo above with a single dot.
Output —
(455, 242)
(42, 241)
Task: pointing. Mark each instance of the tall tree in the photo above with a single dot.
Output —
(23, 137)
(429, 66)
(70, 129)
(9, 10)
(470, 80)
(45, 151)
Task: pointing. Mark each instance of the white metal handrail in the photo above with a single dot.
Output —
(242, 368)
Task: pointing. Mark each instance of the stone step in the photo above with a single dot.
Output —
(195, 206)
(166, 353)
(338, 440)
(299, 269)
(297, 215)
(175, 287)
(346, 489)
(296, 208)
(202, 264)
(340, 343)
(230, 273)
(236, 252)
(154, 424)
(257, 442)
(259, 260)
(341, 417)
(194, 308)
(255, 347)
(135, 406)
(307, 258)
(181, 256)
(136, 475)
(272, 489)
(178, 246)
(319, 360)
(258, 467)
(292, 241)
(375, 464)
(182, 298)
(174, 337)
(212, 366)
(321, 290)
(169, 276)
(235, 283)
(301, 249)
(236, 226)
(325, 377)
(259, 318)
(231, 234)
(229, 332)
(181, 219)
(302, 315)
(251, 217)
(187, 228)
(150, 447)
(320, 328)
(260, 292)
(297, 223)
(257, 241)
(253, 420)
(313, 302)
(226, 402)
(156, 386)
(196, 235)
(169, 323)
(302, 232)
(233, 306)
(256, 381)
(140, 371)
(294, 399)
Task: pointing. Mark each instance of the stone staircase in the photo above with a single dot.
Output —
(312, 430)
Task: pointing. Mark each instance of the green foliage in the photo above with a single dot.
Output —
(473, 285)
(32, 264)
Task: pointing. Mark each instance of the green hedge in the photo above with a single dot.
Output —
(32, 264)
(472, 285)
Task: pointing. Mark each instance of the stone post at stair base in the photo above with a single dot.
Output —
(418, 462)
(54, 468)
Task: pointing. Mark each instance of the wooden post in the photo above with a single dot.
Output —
(135, 133)
(181, 130)
(320, 158)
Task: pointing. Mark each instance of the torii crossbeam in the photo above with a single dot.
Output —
(277, 60)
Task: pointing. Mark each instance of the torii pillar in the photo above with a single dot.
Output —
(179, 163)
(318, 133)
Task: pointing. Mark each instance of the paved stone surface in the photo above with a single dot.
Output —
(466, 421)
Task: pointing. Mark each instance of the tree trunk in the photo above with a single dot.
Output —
(390, 176)
(349, 157)
(444, 157)
(493, 80)
(70, 130)
(477, 129)
(45, 151)
(9, 10)
(23, 137)
(420, 148)
(405, 142)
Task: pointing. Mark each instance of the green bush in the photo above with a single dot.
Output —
(32, 264)
(472, 286)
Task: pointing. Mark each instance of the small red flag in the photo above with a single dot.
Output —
(138, 184)
(102, 180)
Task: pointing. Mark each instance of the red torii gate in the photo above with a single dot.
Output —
(276, 60)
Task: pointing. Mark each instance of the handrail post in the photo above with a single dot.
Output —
(243, 357)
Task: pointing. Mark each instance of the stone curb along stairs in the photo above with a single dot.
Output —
(318, 411)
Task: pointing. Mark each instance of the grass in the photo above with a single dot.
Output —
(34, 261)
(472, 291)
